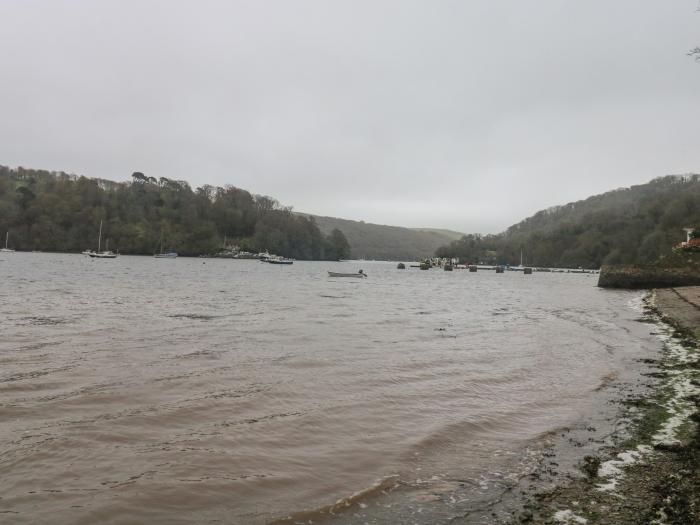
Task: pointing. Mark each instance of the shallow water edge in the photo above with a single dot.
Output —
(650, 472)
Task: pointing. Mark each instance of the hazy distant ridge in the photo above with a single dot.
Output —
(382, 242)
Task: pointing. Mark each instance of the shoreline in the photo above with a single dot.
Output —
(651, 474)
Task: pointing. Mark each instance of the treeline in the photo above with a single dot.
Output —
(637, 225)
(55, 211)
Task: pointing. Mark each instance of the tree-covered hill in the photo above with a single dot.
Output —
(56, 211)
(632, 225)
(380, 242)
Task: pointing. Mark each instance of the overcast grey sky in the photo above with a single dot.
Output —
(469, 114)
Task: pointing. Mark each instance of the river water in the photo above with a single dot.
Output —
(138, 390)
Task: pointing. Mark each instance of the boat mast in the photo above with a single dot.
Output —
(99, 238)
(7, 237)
(521, 257)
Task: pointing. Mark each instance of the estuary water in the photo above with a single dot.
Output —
(138, 390)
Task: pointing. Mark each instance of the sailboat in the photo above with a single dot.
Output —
(161, 255)
(519, 268)
(6, 249)
(105, 254)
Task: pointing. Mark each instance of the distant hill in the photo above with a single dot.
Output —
(447, 233)
(381, 242)
(633, 225)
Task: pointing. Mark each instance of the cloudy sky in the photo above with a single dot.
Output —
(465, 114)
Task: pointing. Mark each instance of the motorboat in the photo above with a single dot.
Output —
(361, 274)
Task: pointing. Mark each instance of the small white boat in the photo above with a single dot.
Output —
(6, 249)
(359, 274)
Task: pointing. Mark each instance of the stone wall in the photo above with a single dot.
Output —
(647, 277)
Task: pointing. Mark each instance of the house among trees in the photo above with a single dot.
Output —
(692, 243)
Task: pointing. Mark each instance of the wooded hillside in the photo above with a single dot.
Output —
(56, 211)
(633, 225)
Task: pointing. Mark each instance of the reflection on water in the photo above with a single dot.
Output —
(189, 391)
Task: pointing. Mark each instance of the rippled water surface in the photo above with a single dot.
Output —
(190, 390)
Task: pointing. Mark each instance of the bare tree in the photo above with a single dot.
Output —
(696, 51)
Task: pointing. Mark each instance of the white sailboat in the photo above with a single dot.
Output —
(161, 255)
(168, 255)
(519, 268)
(6, 249)
(99, 254)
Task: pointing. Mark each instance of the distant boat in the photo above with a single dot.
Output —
(359, 274)
(6, 249)
(519, 268)
(279, 260)
(99, 254)
(103, 255)
(161, 255)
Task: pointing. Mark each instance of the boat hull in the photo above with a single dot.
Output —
(356, 275)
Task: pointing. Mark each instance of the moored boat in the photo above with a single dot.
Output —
(279, 260)
(360, 274)
(107, 254)
(164, 255)
(103, 255)
(6, 249)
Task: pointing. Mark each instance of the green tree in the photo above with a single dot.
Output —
(337, 246)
